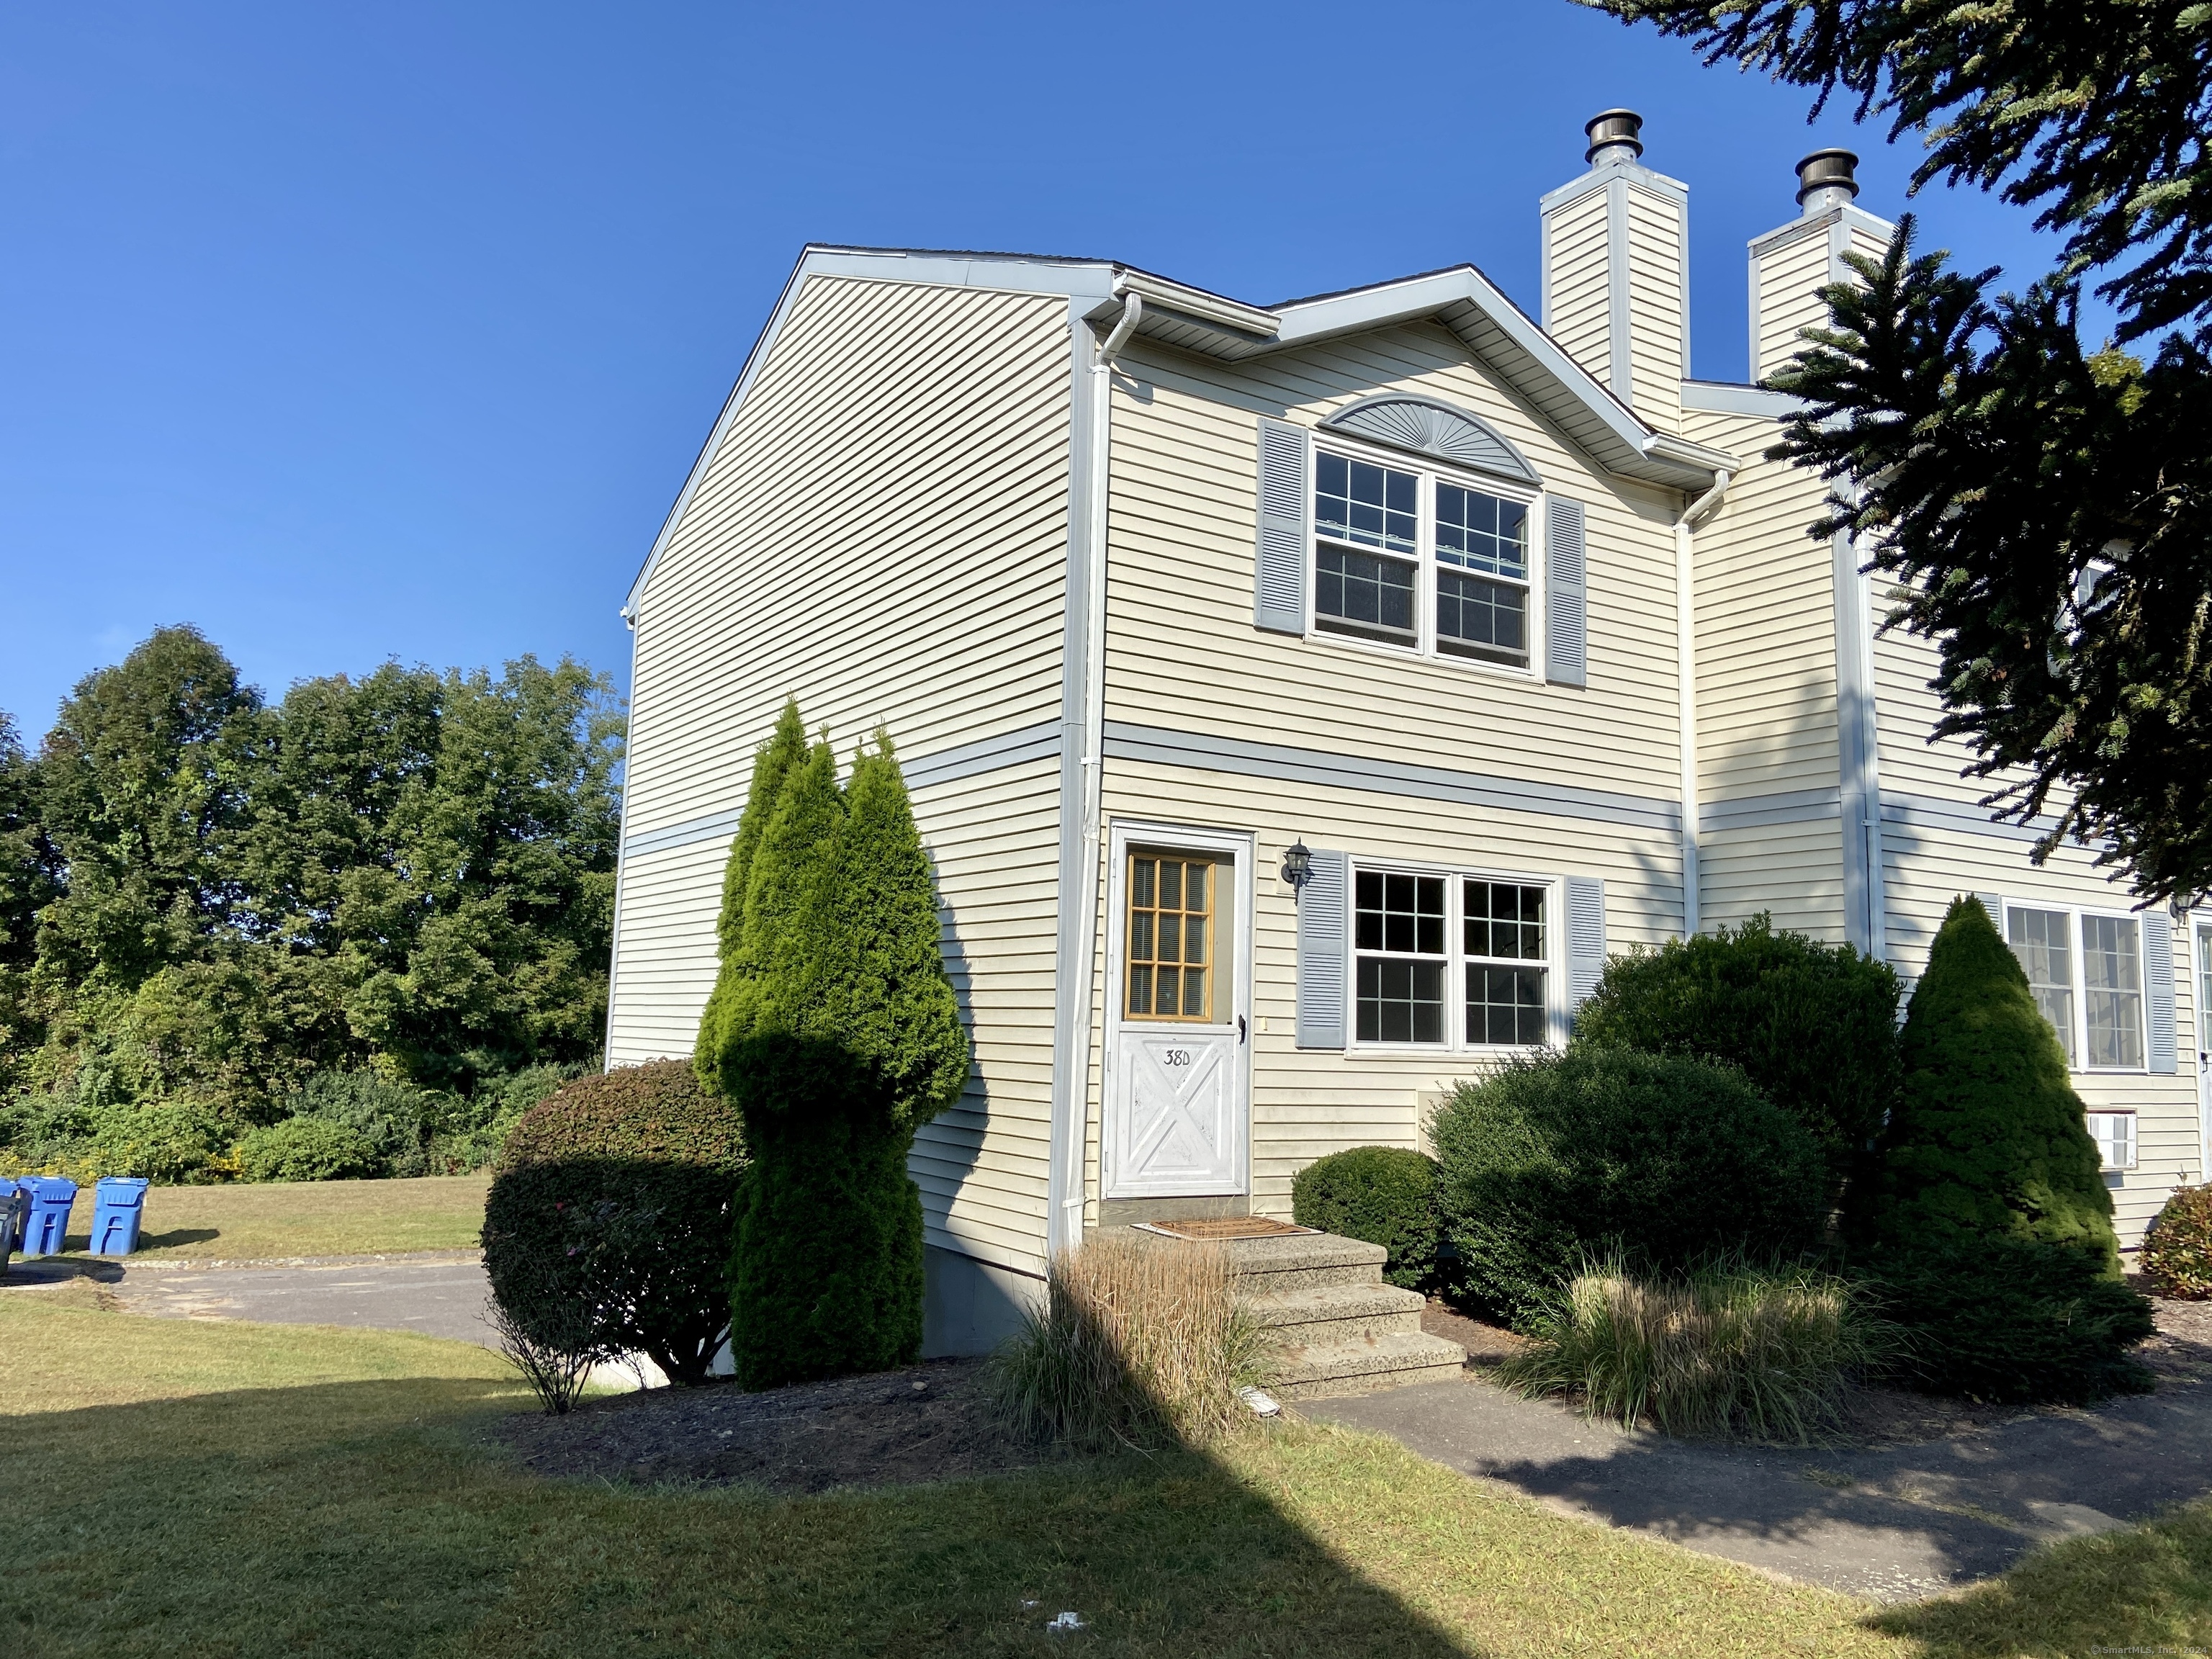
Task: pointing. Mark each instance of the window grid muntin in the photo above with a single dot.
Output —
(1367, 504)
(1476, 618)
(2043, 941)
(2086, 971)
(1169, 945)
(1445, 979)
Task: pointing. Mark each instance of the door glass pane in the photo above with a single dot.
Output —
(2111, 984)
(2038, 938)
(1167, 938)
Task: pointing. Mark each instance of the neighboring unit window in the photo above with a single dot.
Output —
(2112, 980)
(2039, 939)
(1398, 932)
(1170, 931)
(2115, 1135)
(1368, 594)
(1504, 945)
(1477, 615)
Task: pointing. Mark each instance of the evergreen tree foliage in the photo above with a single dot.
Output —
(1988, 1137)
(833, 1029)
(2046, 507)
(1813, 1026)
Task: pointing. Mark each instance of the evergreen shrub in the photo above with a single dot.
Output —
(167, 1142)
(2177, 1251)
(1988, 1137)
(610, 1218)
(1384, 1195)
(833, 1030)
(1661, 1160)
(308, 1149)
(2006, 1317)
(1813, 1026)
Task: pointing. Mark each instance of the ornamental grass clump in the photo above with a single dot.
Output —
(1139, 1343)
(1732, 1351)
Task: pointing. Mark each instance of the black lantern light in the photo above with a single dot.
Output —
(1298, 864)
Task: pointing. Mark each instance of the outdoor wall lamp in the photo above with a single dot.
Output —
(1298, 864)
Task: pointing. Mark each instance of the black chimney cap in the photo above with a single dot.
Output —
(1614, 126)
(1825, 168)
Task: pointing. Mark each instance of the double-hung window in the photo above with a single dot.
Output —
(1406, 557)
(2086, 973)
(1447, 960)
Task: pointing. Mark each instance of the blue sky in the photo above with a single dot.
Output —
(356, 332)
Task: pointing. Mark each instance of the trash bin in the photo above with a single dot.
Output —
(118, 1202)
(48, 1222)
(15, 1210)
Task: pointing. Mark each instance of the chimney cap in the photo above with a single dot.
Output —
(1610, 128)
(1827, 169)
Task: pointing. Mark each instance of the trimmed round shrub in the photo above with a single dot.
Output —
(2005, 1317)
(1384, 1195)
(2177, 1251)
(1665, 1162)
(611, 1213)
(308, 1149)
(1813, 1026)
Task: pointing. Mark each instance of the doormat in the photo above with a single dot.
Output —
(1233, 1226)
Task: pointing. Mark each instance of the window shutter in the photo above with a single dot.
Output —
(1321, 910)
(1279, 569)
(1585, 937)
(1994, 903)
(1566, 609)
(2158, 990)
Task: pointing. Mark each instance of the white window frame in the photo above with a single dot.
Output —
(2077, 959)
(1430, 473)
(2105, 1142)
(1553, 961)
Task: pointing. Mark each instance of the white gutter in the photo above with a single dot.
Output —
(1064, 1225)
(1686, 683)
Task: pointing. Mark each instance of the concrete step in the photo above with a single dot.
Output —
(1268, 1266)
(1315, 1315)
(1365, 1366)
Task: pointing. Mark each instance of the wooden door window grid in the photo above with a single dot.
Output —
(1171, 936)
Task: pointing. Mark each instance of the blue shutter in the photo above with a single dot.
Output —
(1585, 937)
(1994, 903)
(1321, 912)
(1279, 568)
(2158, 990)
(1567, 606)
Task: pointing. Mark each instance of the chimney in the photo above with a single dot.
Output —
(1791, 264)
(1617, 270)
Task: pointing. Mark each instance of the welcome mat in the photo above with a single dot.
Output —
(1221, 1227)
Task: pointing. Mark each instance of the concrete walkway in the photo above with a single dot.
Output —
(1891, 1524)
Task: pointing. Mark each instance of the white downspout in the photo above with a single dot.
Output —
(1065, 1227)
(1685, 680)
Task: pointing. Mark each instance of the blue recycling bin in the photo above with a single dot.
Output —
(118, 1202)
(48, 1222)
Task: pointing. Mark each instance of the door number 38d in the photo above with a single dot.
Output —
(1176, 1057)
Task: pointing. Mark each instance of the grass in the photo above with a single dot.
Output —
(184, 1488)
(260, 1220)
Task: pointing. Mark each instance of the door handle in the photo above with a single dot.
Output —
(1240, 1028)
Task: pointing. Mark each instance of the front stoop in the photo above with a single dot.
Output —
(1340, 1330)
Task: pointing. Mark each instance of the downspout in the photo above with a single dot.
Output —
(628, 614)
(1685, 684)
(1064, 1225)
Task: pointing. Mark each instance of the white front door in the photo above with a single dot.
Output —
(1177, 1040)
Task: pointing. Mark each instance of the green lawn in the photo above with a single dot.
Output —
(186, 1488)
(255, 1221)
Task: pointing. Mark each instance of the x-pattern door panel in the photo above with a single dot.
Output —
(1179, 1127)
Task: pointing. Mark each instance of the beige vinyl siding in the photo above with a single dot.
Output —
(1182, 651)
(1656, 324)
(1307, 1103)
(881, 533)
(1577, 312)
(1788, 296)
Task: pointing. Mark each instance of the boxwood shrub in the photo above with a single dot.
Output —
(2176, 1252)
(618, 1194)
(1385, 1195)
(1660, 1159)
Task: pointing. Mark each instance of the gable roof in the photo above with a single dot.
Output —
(1208, 325)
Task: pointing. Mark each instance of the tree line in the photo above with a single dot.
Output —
(208, 897)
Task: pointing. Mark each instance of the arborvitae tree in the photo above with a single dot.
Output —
(834, 1031)
(1989, 1136)
(772, 764)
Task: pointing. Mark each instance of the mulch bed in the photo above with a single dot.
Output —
(928, 1422)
